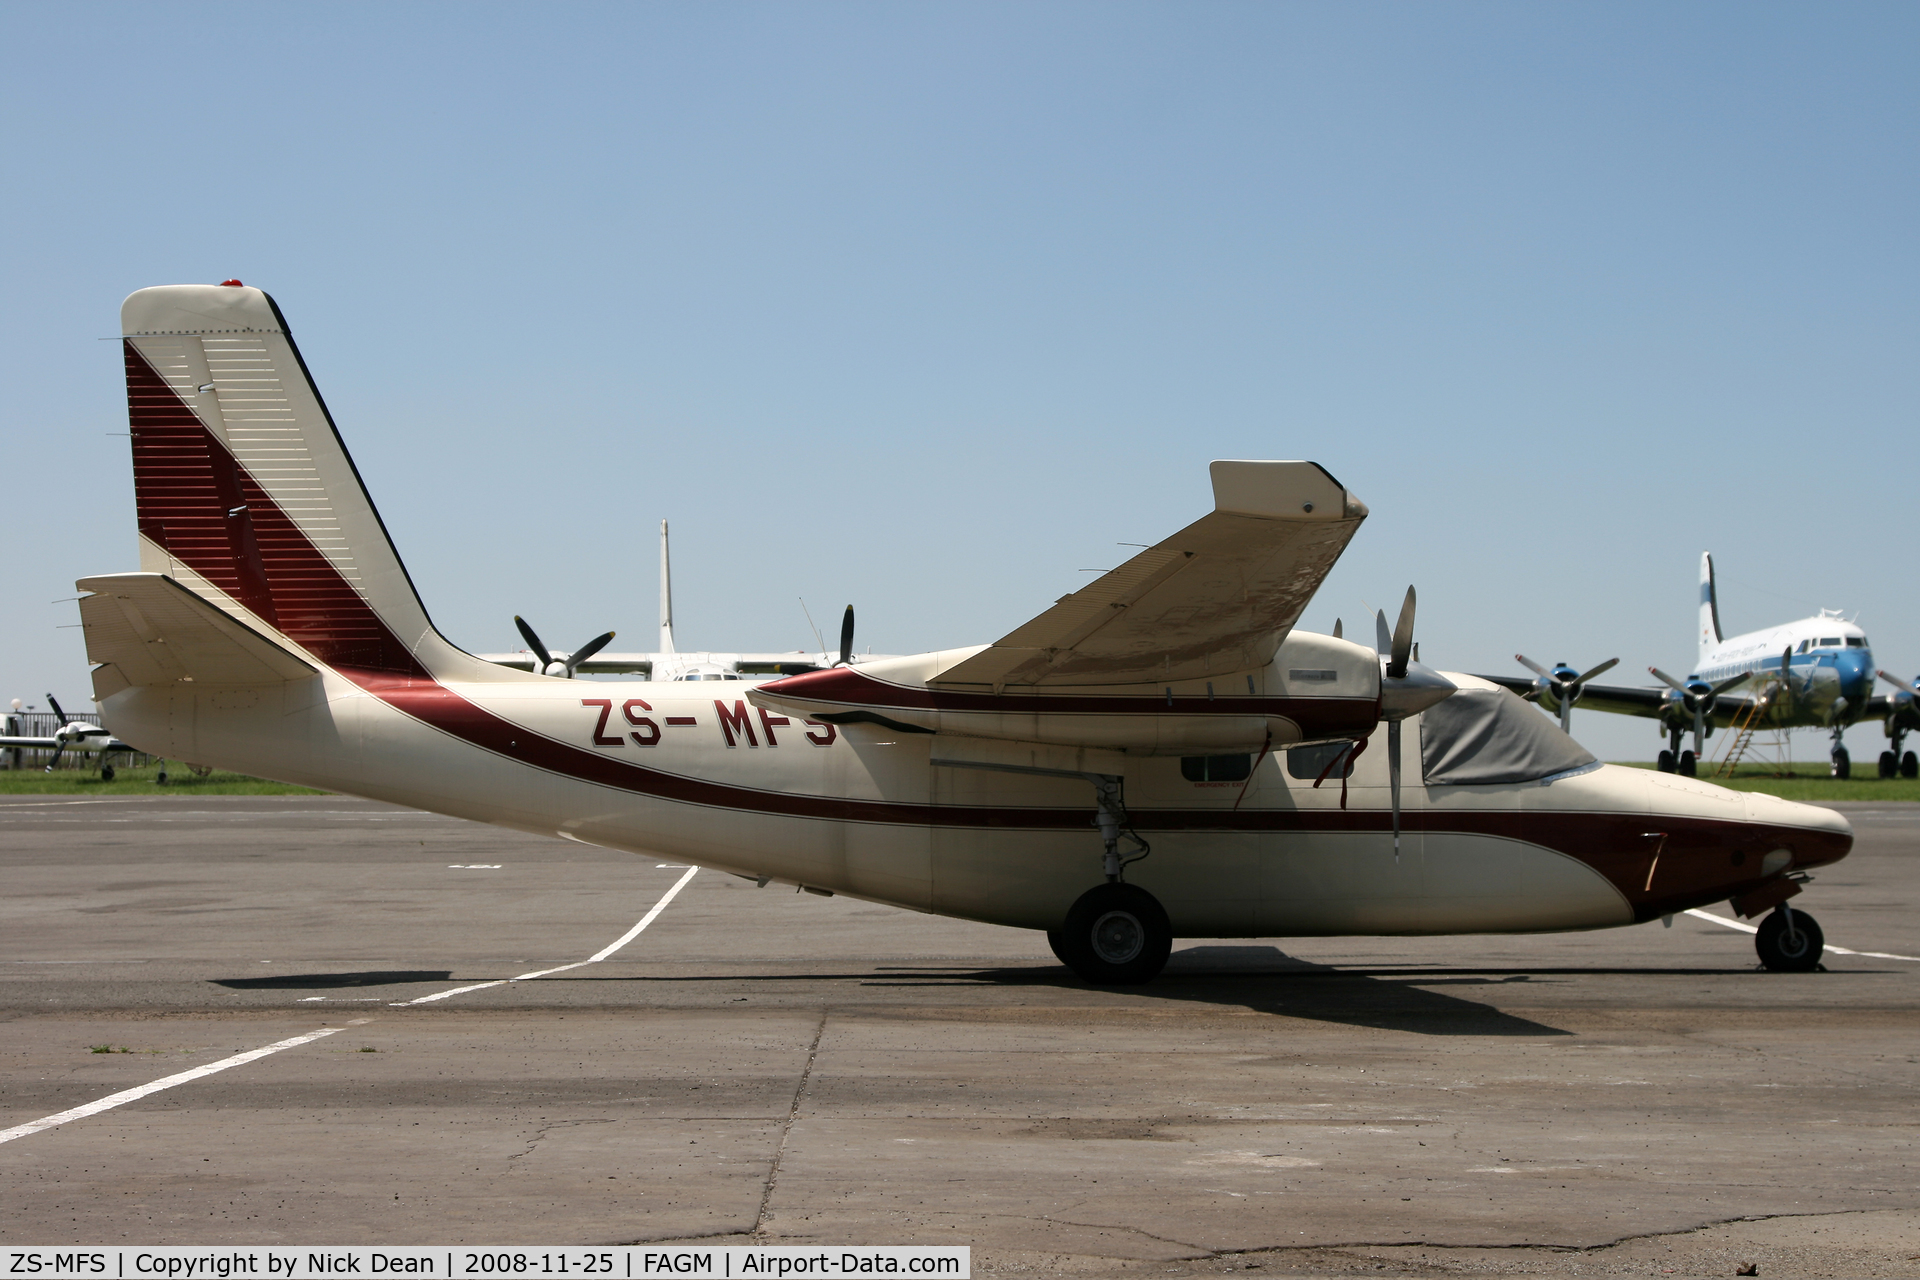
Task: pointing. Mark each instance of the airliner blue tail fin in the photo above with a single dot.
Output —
(1709, 606)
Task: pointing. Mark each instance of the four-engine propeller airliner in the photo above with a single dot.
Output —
(1159, 754)
(1828, 684)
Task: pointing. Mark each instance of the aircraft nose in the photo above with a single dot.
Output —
(1814, 836)
(1856, 673)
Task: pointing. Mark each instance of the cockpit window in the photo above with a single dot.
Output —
(1829, 642)
(1802, 648)
(1481, 736)
(1856, 642)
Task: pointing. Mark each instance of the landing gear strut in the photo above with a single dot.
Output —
(1674, 760)
(1789, 941)
(1115, 932)
(1842, 765)
(1896, 762)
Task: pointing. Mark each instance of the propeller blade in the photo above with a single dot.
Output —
(1336, 628)
(586, 651)
(846, 638)
(1393, 780)
(533, 642)
(56, 709)
(1725, 685)
(1566, 716)
(1666, 679)
(58, 749)
(1402, 639)
(1608, 665)
(1906, 686)
(1533, 666)
(1382, 638)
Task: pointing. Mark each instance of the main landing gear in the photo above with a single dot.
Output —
(1904, 764)
(1789, 941)
(1115, 933)
(1842, 763)
(1674, 760)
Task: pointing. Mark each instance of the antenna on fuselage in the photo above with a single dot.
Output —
(666, 594)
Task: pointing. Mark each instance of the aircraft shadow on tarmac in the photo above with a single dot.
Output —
(325, 981)
(1271, 981)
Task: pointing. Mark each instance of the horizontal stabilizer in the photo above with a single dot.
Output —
(147, 629)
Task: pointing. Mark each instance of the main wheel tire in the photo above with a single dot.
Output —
(1689, 766)
(1842, 763)
(1665, 762)
(1115, 934)
(1057, 940)
(160, 779)
(1889, 764)
(106, 773)
(1910, 765)
(1790, 942)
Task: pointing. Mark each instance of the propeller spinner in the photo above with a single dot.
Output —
(562, 667)
(1698, 697)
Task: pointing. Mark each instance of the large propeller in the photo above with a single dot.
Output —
(1698, 697)
(846, 639)
(1562, 684)
(1904, 686)
(562, 667)
(1406, 689)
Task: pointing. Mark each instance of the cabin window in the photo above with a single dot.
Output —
(1216, 768)
(1310, 762)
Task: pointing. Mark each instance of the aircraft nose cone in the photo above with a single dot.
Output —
(1856, 672)
(1814, 835)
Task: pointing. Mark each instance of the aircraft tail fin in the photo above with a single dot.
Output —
(1709, 605)
(247, 496)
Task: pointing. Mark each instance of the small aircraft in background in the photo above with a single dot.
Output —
(1816, 672)
(73, 735)
(668, 663)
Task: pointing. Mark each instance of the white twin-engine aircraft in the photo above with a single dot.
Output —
(1167, 708)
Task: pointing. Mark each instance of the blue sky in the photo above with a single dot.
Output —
(928, 307)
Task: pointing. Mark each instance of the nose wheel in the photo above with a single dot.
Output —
(1789, 941)
(1116, 934)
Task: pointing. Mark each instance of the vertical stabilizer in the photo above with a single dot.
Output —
(666, 594)
(1709, 606)
(246, 496)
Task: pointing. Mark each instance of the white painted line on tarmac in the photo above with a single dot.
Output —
(595, 958)
(125, 1096)
(1839, 951)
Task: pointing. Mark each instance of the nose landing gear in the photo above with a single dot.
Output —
(1789, 941)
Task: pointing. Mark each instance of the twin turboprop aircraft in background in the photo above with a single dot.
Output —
(76, 736)
(667, 663)
(1159, 754)
(1814, 673)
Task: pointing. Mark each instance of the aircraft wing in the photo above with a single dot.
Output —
(1619, 699)
(30, 744)
(600, 664)
(1216, 598)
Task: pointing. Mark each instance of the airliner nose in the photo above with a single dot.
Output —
(1814, 836)
(1855, 668)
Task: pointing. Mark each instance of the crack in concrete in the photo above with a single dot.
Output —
(541, 1132)
(786, 1130)
(1203, 1254)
